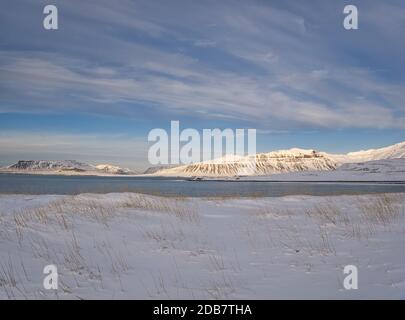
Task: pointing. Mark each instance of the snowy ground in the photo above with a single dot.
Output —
(136, 246)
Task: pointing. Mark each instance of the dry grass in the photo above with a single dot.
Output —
(361, 219)
(382, 210)
(32, 226)
(9, 279)
(173, 206)
(174, 225)
(327, 213)
(167, 235)
(221, 287)
(216, 262)
(7, 274)
(367, 216)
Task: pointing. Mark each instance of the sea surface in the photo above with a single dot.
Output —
(54, 184)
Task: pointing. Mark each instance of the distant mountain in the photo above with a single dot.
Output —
(283, 161)
(53, 165)
(262, 164)
(391, 152)
(108, 168)
(63, 167)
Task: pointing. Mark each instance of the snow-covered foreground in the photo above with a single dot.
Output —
(136, 246)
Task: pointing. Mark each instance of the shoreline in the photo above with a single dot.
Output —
(205, 179)
(70, 174)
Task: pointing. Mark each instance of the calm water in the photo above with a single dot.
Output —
(36, 184)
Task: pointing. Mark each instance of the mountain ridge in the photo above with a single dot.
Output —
(64, 167)
(282, 161)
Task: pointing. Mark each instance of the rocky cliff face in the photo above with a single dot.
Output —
(50, 165)
(261, 164)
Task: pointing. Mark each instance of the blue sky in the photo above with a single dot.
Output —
(114, 70)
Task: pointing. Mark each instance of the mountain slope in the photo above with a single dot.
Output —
(261, 164)
(63, 167)
(387, 166)
(108, 168)
(282, 161)
(51, 165)
(391, 152)
(377, 170)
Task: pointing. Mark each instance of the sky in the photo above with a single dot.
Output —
(114, 70)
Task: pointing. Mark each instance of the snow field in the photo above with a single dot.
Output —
(134, 246)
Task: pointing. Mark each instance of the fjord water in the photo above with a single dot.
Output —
(53, 184)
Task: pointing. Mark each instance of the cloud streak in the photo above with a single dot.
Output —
(281, 65)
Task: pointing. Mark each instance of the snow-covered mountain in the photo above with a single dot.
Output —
(261, 164)
(108, 168)
(391, 152)
(386, 166)
(282, 161)
(51, 165)
(376, 170)
(63, 167)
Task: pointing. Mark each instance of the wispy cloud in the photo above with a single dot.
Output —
(306, 98)
(277, 65)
